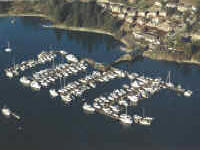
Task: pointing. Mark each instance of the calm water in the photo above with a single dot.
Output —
(48, 124)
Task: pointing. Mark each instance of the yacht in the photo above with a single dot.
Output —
(24, 80)
(6, 111)
(8, 49)
(53, 93)
(188, 93)
(88, 107)
(35, 85)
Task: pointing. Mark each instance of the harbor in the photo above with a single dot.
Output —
(165, 120)
(137, 87)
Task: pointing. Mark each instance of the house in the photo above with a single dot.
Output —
(137, 35)
(182, 8)
(132, 12)
(194, 9)
(129, 19)
(158, 4)
(163, 14)
(124, 10)
(116, 8)
(152, 14)
(121, 16)
(151, 38)
(155, 20)
(141, 14)
(171, 5)
(165, 27)
(140, 21)
(104, 5)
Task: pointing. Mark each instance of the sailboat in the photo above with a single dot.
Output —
(13, 21)
(8, 49)
(7, 113)
(169, 84)
(125, 118)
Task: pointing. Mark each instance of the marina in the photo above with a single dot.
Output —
(138, 88)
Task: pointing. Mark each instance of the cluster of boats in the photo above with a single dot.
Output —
(77, 88)
(111, 105)
(47, 76)
(42, 58)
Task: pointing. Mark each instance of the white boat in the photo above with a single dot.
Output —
(66, 98)
(9, 74)
(35, 85)
(143, 120)
(24, 80)
(188, 93)
(147, 121)
(8, 49)
(71, 58)
(88, 107)
(53, 93)
(126, 119)
(6, 111)
(133, 98)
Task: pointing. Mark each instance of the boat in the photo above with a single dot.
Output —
(53, 93)
(71, 58)
(88, 107)
(24, 80)
(9, 74)
(188, 93)
(13, 21)
(8, 49)
(169, 84)
(125, 118)
(66, 98)
(133, 98)
(6, 111)
(143, 120)
(146, 121)
(35, 85)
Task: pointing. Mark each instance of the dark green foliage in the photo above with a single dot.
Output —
(82, 15)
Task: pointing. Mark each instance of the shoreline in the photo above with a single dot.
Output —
(170, 60)
(93, 30)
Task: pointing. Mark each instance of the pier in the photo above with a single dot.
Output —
(138, 88)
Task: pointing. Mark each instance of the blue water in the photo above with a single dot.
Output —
(49, 124)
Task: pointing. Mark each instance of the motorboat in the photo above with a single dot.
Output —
(147, 121)
(35, 85)
(53, 93)
(6, 111)
(188, 93)
(126, 119)
(88, 107)
(24, 80)
(9, 74)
